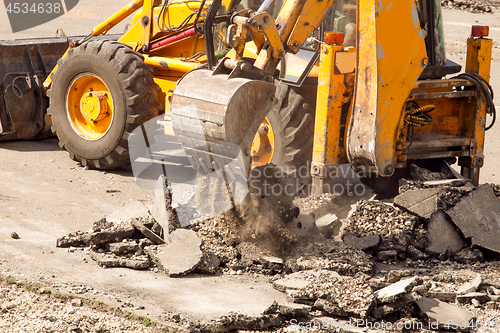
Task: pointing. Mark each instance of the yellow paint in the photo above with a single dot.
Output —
(386, 73)
(479, 57)
(287, 17)
(262, 149)
(327, 125)
(311, 15)
(479, 62)
(90, 106)
(171, 64)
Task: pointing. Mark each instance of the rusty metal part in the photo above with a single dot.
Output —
(24, 65)
(215, 126)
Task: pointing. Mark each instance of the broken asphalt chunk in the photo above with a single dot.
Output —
(442, 236)
(362, 243)
(422, 202)
(396, 290)
(471, 286)
(107, 261)
(180, 256)
(440, 314)
(467, 298)
(122, 247)
(468, 256)
(294, 309)
(397, 305)
(477, 215)
(209, 263)
(235, 321)
(96, 238)
(137, 223)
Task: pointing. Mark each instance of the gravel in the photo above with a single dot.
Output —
(23, 310)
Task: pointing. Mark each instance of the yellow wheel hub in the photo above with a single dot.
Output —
(263, 145)
(94, 105)
(89, 106)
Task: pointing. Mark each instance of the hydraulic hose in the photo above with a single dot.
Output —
(487, 91)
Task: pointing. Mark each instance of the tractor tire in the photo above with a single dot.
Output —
(292, 123)
(126, 98)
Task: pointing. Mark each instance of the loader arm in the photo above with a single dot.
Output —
(295, 22)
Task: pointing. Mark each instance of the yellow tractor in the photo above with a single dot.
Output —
(382, 93)
(375, 99)
(101, 87)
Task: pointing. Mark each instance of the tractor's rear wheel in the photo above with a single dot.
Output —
(286, 135)
(100, 92)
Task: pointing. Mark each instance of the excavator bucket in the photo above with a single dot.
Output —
(24, 65)
(216, 118)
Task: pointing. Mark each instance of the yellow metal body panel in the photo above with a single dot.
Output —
(479, 57)
(167, 85)
(386, 72)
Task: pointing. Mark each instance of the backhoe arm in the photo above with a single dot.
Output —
(296, 20)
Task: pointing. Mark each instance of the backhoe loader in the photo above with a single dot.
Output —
(385, 93)
(93, 91)
(376, 100)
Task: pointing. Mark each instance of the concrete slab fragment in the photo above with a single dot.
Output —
(396, 290)
(146, 232)
(470, 286)
(419, 202)
(399, 304)
(180, 256)
(477, 215)
(294, 309)
(438, 314)
(362, 243)
(442, 236)
(442, 296)
(467, 298)
(328, 224)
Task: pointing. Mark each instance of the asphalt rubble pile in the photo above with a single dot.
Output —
(474, 6)
(374, 262)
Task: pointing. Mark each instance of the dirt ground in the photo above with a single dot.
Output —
(44, 195)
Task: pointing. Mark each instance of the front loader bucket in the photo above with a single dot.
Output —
(24, 66)
(216, 117)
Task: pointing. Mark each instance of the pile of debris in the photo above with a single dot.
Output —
(395, 301)
(130, 237)
(441, 219)
(470, 5)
